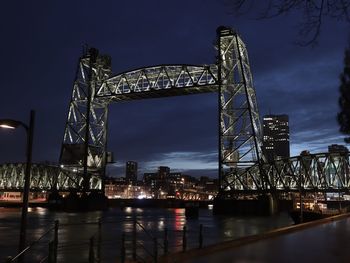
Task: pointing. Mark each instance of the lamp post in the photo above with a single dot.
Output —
(13, 124)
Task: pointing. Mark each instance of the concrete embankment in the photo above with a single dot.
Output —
(159, 203)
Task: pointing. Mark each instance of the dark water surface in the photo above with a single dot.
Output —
(76, 229)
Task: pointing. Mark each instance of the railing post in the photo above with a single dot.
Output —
(184, 239)
(99, 240)
(134, 240)
(155, 249)
(122, 252)
(200, 236)
(165, 241)
(51, 256)
(91, 250)
(56, 240)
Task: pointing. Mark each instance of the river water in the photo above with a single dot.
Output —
(76, 229)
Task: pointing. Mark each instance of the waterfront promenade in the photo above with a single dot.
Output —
(325, 240)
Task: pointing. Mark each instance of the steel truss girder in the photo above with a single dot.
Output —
(43, 177)
(323, 172)
(159, 81)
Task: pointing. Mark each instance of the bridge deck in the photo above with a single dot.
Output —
(319, 241)
(161, 93)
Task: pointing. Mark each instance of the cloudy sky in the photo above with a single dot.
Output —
(41, 42)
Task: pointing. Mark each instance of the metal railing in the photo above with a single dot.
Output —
(51, 256)
(146, 246)
(139, 243)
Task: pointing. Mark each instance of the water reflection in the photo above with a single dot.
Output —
(77, 228)
(39, 210)
(128, 210)
(180, 218)
(161, 224)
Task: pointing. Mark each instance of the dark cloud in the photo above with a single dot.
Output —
(41, 44)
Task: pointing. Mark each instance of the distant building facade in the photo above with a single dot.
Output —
(158, 182)
(163, 172)
(131, 172)
(276, 137)
(165, 184)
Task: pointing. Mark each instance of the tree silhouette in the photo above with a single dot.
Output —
(313, 13)
(344, 100)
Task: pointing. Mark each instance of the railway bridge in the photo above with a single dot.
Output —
(241, 164)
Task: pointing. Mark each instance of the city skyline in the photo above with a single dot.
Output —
(178, 132)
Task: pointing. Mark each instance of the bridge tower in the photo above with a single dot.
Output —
(239, 123)
(84, 145)
(83, 150)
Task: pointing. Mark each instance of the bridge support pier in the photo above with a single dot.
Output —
(263, 205)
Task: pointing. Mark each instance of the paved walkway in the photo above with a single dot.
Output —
(324, 241)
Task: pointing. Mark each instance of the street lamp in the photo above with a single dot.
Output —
(13, 124)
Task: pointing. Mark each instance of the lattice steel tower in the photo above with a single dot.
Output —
(239, 123)
(85, 135)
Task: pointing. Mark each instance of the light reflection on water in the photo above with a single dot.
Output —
(77, 228)
(180, 219)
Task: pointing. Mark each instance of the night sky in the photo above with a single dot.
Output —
(41, 42)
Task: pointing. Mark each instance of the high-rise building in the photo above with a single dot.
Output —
(275, 137)
(131, 172)
(163, 172)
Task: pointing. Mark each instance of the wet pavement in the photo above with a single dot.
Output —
(327, 242)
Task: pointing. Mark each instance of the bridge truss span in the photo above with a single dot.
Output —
(44, 177)
(160, 81)
(322, 172)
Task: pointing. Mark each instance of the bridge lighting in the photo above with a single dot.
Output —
(13, 124)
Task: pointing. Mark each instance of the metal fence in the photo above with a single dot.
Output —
(134, 242)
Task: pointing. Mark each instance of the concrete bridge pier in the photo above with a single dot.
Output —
(262, 205)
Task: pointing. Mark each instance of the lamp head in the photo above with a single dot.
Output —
(9, 124)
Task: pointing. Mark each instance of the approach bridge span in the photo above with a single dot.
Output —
(322, 172)
(44, 177)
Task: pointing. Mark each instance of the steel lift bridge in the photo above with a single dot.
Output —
(242, 168)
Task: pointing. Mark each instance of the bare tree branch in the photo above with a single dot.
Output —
(313, 13)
